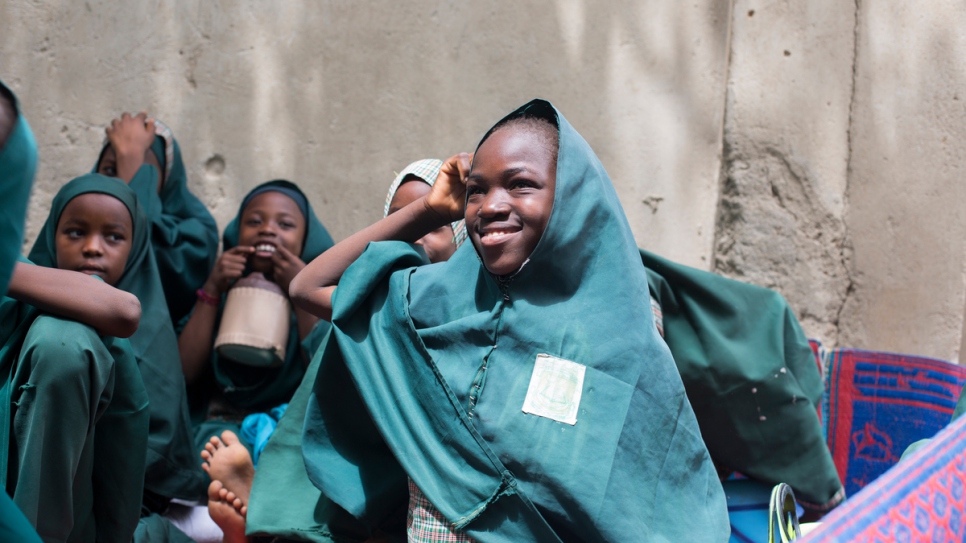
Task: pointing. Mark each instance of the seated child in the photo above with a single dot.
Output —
(521, 398)
(18, 162)
(171, 470)
(286, 504)
(184, 235)
(67, 378)
(274, 231)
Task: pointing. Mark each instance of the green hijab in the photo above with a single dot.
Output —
(447, 359)
(184, 235)
(256, 388)
(18, 162)
(172, 468)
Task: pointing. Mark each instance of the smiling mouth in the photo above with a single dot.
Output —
(264, 249)
(495, 237)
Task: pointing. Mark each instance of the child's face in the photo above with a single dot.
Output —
(94, 235)
(438, 244)
(509, 197)
(270, 220)
(108, 164)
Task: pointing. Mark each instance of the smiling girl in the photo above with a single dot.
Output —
(274, 232)
(510, 390)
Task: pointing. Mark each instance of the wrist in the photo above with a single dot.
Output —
(211, 288)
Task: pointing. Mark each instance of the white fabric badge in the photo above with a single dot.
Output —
(555, 389)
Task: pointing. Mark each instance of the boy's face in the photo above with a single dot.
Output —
(94, 236)
(509, 197)
(108, 164)
(270, 220)
(438, 244)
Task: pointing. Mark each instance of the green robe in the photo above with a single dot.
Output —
(184, 235)
(751, 378)
(442, 358)
(173, 468)
(252, 389)
(18, 162)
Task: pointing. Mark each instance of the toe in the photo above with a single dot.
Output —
(214, 442)
(214, 490)
(229, 438)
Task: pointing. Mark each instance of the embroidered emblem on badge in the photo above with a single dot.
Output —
(555, 388)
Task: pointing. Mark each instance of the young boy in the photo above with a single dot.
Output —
(518, 395)
(72, 239)
(184, 236)
(274, 230)
(64, 381)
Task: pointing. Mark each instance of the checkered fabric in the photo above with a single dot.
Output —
(427, 170)
(425, 524)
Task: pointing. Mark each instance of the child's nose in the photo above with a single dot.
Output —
(92, 246)
(494, 204)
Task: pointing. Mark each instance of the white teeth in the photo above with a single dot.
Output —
(497, 233)
(265, 248)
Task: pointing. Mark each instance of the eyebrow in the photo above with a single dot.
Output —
(505, 173)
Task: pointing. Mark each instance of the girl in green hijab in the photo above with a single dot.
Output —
(521, 398)
(184, 236)
(172, 470)
(274, 233)
(63, 379)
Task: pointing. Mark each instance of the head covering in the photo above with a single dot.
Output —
(171, 467)
(184, 235)
(317, 238)
(545, 408)
(18, 162)
(257, 388)
(426, 170)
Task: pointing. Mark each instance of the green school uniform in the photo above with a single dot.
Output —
(173, 468)
(469, 384)
(184, 235)
(18, 162)
(61, 382)
(751, 378)
(247, 388)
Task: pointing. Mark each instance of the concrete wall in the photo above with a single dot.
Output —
(812, 147)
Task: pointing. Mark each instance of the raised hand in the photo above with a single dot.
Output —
(229, 267)
(448, 195)
(130, 138)
(285, 267)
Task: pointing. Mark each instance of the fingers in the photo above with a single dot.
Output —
(464, 161)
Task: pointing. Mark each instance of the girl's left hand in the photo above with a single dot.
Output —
(286, 267)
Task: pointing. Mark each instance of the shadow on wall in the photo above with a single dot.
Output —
(338, 98)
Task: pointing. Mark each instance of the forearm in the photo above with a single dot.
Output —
(78, 297)
(311, 290)
(196, 340)
(128, 165)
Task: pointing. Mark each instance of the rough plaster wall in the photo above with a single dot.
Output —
(907, 220)
(338, 96)
(780, 216)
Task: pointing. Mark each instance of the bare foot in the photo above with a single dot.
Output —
(227, 461)
(226, 516)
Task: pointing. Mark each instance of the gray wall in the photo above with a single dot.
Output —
(812, 147)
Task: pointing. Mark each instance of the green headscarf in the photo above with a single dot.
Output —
(172, 468)
(444, 357)
(18, 162)
(184, 235)
(255, 388)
